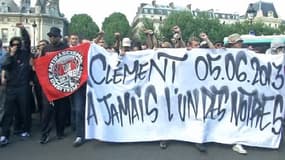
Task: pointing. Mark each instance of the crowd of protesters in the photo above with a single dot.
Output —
(20, 88)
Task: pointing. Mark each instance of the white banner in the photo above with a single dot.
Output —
(226, 96)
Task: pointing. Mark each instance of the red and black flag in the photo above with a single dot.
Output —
(62, 72)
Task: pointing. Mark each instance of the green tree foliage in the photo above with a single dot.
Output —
(182, 19)
(84, 26)
(211, 26)
(138, 34)
(116, 22)
(193, 26)
(282, 28)
(148, 23)
(258, 28)
(261, 29)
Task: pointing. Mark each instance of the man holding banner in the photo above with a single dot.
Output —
(235, 41)
(146, 96)
(236, 96)
(53, 109)
(61, 72)
(77, 103)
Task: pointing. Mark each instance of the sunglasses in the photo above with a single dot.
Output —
(218, 44)
(15, 44)
(42, 44)
(239, 41)
(279, 48)
(50, 36)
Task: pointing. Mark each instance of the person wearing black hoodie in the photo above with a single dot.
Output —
(18, 75)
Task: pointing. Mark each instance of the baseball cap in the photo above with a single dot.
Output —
(126, 42)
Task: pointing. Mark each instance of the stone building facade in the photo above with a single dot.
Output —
(37, 19)
(263, 11)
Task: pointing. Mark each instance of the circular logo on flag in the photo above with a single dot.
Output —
(65, 70)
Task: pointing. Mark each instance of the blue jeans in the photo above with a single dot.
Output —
(78, 106)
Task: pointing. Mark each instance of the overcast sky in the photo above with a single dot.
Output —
(99, 9)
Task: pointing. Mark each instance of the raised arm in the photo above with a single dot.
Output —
(179, 43)
(117, 45)
(205, 38)
(25, 37)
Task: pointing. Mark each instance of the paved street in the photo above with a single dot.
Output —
(31, 149)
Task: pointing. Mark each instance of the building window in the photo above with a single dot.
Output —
(160, 12)
(156, 11)
(270, 14)
(4, 7)
(4, 33)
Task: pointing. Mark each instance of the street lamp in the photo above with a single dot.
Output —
(250, 15)
(34, 25)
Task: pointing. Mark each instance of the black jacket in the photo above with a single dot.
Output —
(18, 71)
(52, 48)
